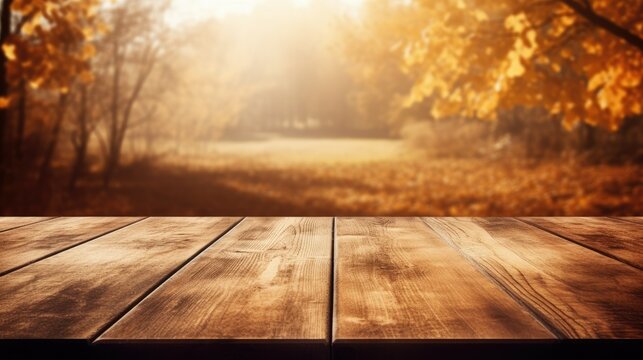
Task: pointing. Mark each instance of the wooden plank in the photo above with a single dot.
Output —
(25, 245)
(576, 291)
(8, 223)
(617, 239)
(268, 280)
(75, 294)
(634, 219)
(396, 280)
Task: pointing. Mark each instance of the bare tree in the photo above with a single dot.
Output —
(136, 44)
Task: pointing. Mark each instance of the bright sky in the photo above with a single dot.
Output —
(198, 9)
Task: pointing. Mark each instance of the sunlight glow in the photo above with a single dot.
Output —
(187, 10)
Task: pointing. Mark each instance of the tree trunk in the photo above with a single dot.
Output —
(22, 118)
(79, 165)
(113, 159)
(588, 137)
(45, 169)
(81, 143)
(120, 122)
(5, 29)
(115, 109)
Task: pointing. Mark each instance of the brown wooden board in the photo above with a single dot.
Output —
(8, 223)
(77, 293)
(634, 219)
(614, 238)
(27, 244)
(266, 281)
(395, 280)
(577, 292)
(269, 278)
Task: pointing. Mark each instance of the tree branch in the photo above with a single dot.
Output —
(23, 21)
(604, 23)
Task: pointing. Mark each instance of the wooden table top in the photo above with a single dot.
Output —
(319, 287)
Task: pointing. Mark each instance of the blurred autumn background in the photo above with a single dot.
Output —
(321, 107)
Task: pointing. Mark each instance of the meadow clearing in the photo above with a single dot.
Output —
(301, 176)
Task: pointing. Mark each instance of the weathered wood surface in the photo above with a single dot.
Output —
(636, 220)
(75, 294)
(576, 291)
(275, 287)
(621, 240)
(30, 243)
(267, 279)
(395, 279)
(8, 223)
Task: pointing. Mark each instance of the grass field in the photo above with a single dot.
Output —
(352, 177)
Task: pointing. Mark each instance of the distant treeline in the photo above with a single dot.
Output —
(80, 80)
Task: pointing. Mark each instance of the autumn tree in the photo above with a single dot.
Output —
(44, 49)
(580, 59)
(85, 121)
(370, 46)
(135, 43)
(207, 92)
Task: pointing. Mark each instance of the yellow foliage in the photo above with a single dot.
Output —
(50, 48)
(9, 51)
(517, 23)
(36, 83)
(515, 65)
(481, 15)
(498, 54)
(5, 102)
(87, 77)
(88, 52)
(29, 28)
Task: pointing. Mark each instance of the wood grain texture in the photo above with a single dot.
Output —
(268, 279)
(396, 280)
(74, 294)
(618, 239)
(576, 291)
(8, 223)
(634, 219)
(27, 244)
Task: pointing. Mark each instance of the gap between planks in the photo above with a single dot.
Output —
(56, 252)
(332, 324)
(553, 329)
(160, 282)
(30, 223)
(626, 219)
(332, 308)
(558, 278)
(267, 281)
(587, 246)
